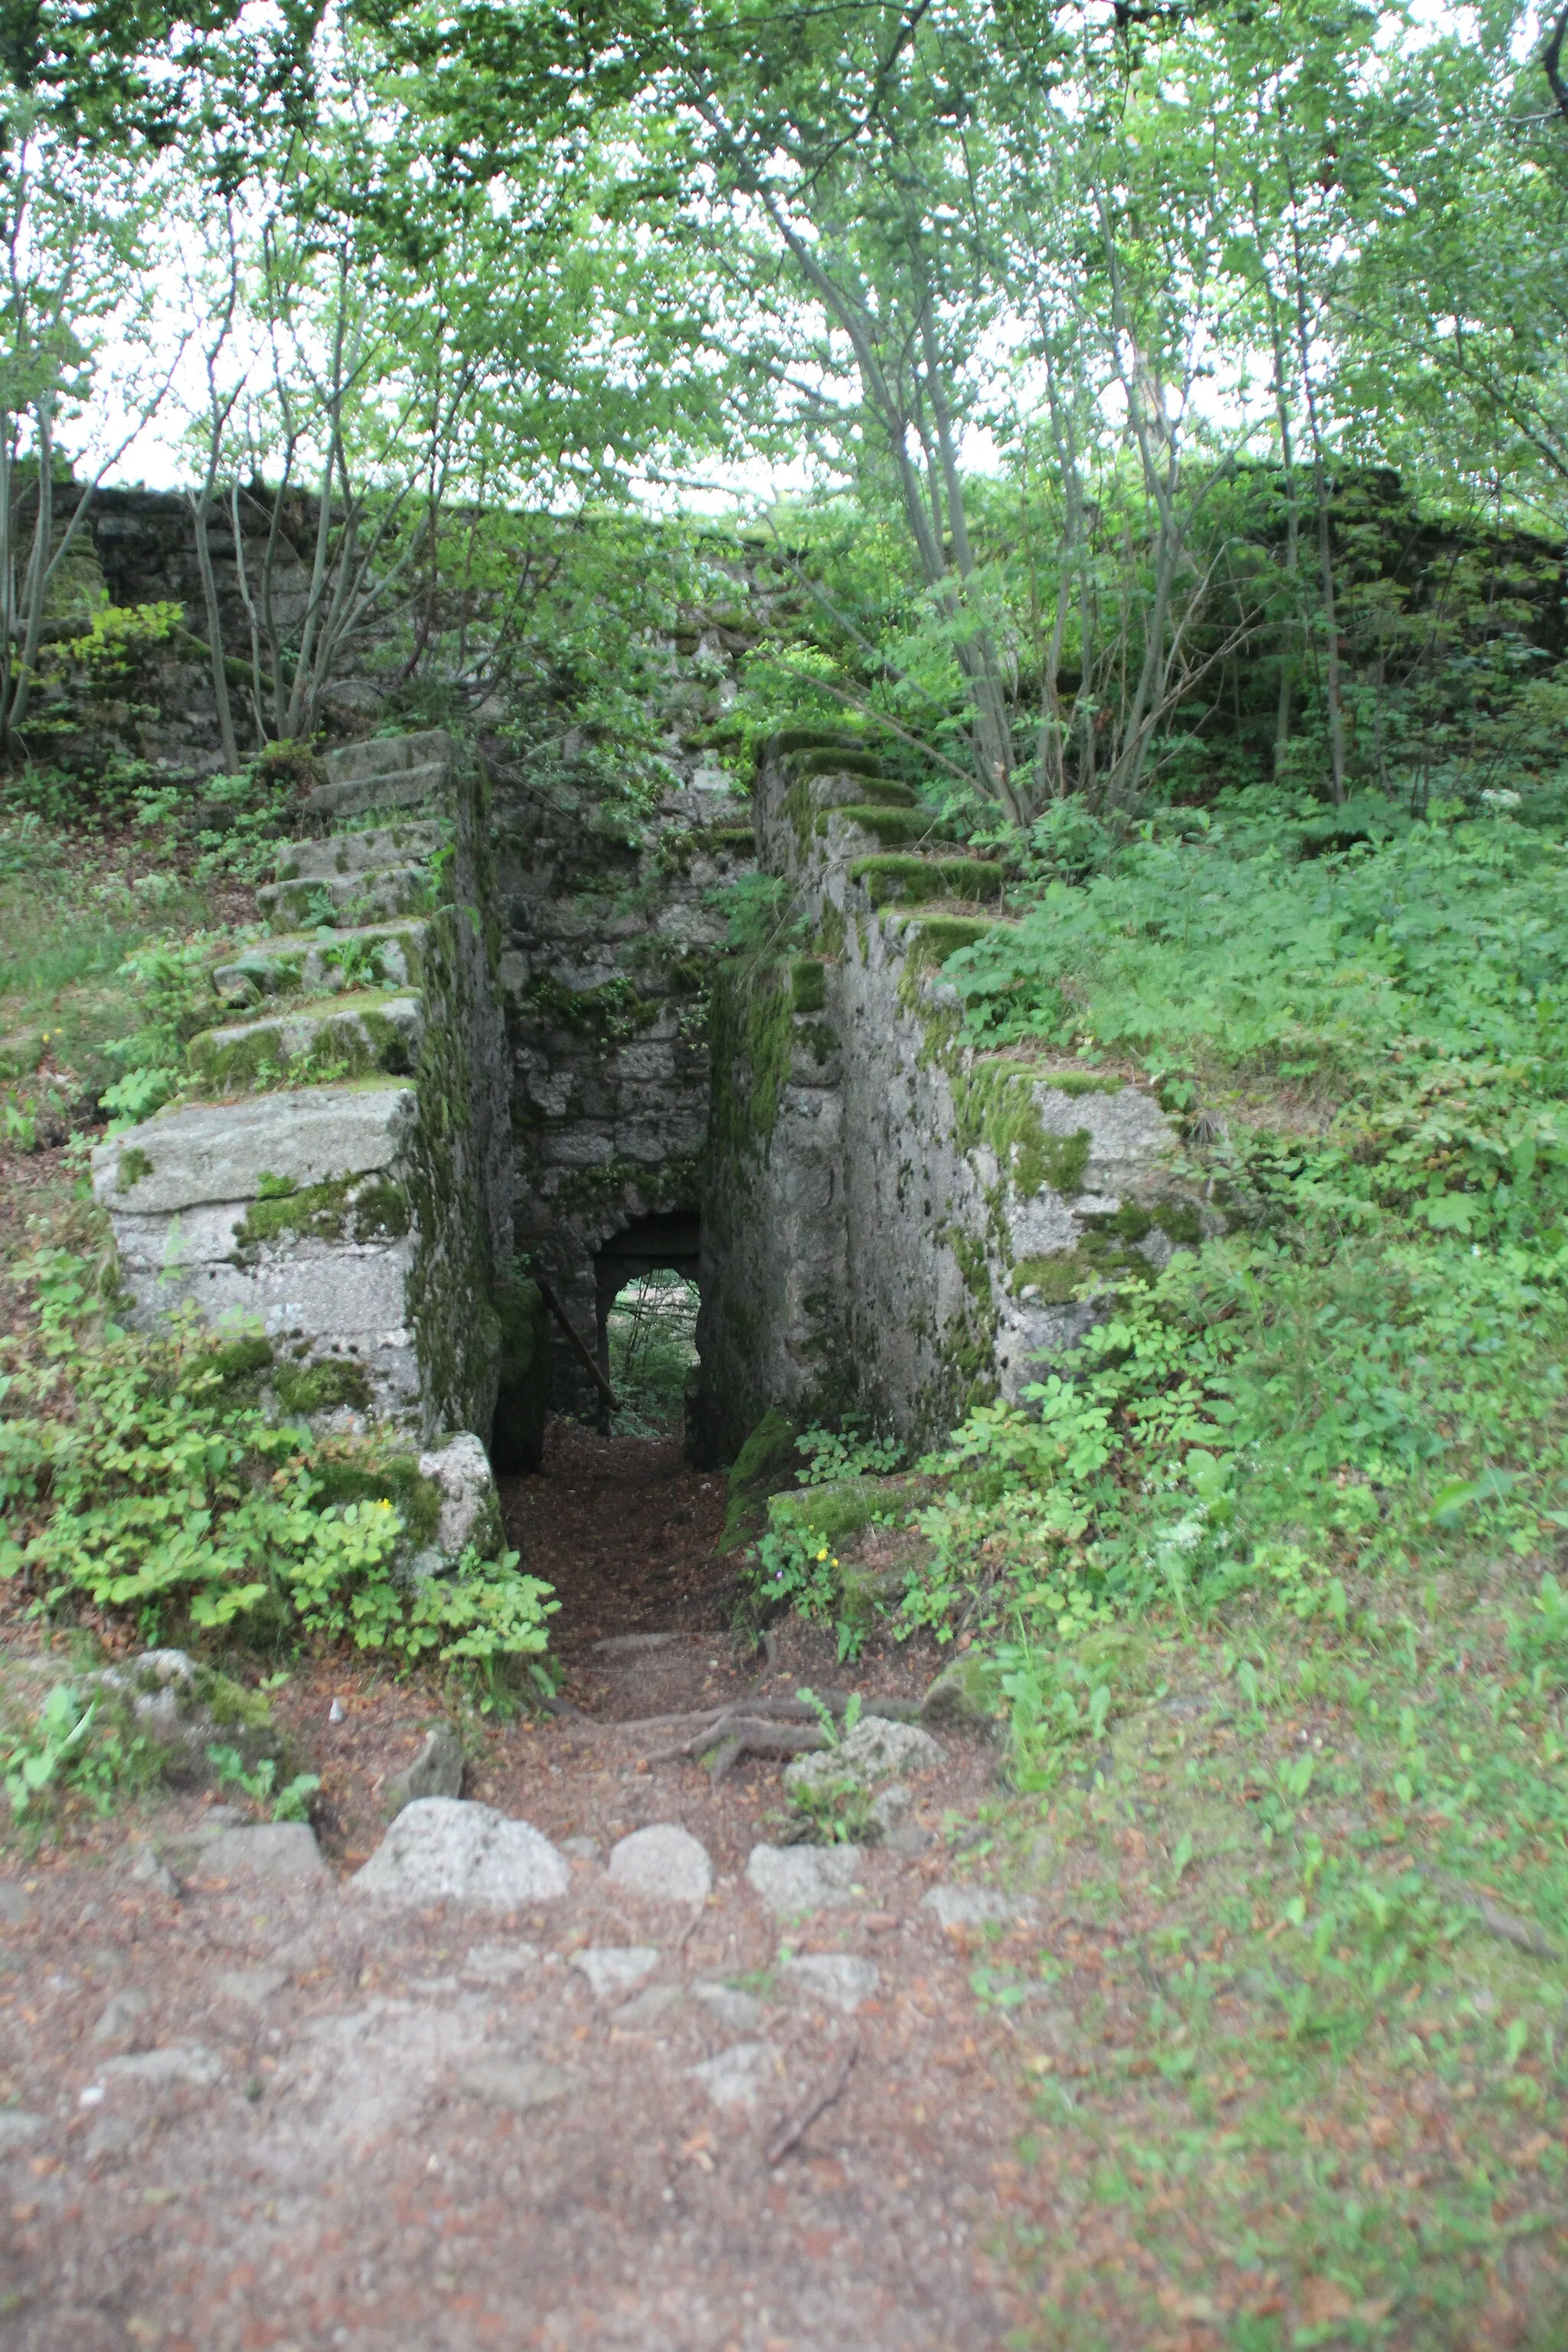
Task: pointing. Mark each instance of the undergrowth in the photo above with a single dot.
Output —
(1364, 1375)
(147, 1476)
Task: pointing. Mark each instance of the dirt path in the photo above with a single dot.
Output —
(263, 2112)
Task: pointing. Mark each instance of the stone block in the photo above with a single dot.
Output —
(220, 1152)
(412, 843)
(387, 755)
(370, 897)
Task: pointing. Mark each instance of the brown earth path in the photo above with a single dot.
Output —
(271, 2116)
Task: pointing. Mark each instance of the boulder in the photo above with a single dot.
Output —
(870, 1758)
(614, 1968)
(735, 2076)
(470, 1507)
(285, 1854)
(792, 1879)
(837, 1978)
(665, 1863)
(976, 1906)
(441, 1850)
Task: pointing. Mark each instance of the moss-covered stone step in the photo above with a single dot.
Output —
(787, 740)
(908, 881)
(384, 772)
(373, 955)
(893, 827)
(410, 843)
(870, 792)
(931, 939)
(407, 788)
(348, 1036)
(804, 765)
(378, 896)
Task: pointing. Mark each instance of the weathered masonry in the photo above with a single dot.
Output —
(334, 1190)
(611, 934)
(485, 1046)
(892, 1224)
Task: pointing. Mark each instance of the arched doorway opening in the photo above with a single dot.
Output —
(646, 1300)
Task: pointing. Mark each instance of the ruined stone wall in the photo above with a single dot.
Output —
(895, 1224)
(611, 922)
(330, 1187)
(137, 546)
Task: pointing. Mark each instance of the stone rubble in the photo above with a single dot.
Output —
(664, 1863)
(612, 1970)
(837, 1978)
(737, 2076)
(795, 1879)
(442, 1849)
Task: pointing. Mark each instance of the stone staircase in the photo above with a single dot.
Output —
(334, 1179)
(853, 838)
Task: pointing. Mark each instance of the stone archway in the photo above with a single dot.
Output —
(666, 1241)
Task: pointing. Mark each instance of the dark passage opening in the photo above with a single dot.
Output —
(646, 1300)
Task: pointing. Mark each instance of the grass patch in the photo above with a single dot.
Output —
(1298, 2077)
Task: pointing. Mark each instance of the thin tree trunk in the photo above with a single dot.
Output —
(1333, 696)
(1292, 542)
(39, 570)
(201, 502)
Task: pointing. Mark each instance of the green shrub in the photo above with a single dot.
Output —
(152, 1489)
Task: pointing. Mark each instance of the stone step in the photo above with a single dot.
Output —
(807, 764)
(893, 826)
(305, 964)
(409, 844)
(366, 897)
(869, 791)
(405, 787)
(311, 1045)
(907, 880)
(221, 1152)
(387, 755)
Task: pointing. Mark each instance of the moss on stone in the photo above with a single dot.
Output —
(1130, 1222)
(1181, 1223)
(344, 1207)
(862, 792)
(522, 1394)
(931, 939)
(788, 740)
(910, 881)
(324, 1387)
(765, 1463)
(242, 1359)
(594, 1192)
(751, 1043)
(834, 1512)
(808, 985)
(353, 1037)
(890, 824)
(834, 762)
(134, 1165)
(606, 1016)
(994, 1102)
